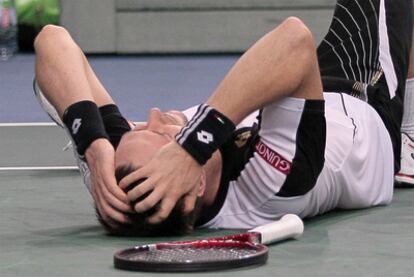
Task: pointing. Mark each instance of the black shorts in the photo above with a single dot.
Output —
(366, 53)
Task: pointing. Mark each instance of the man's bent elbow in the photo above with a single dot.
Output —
(50, 33)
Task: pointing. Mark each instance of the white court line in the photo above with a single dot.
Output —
(38, 168)
(34, 168)
(29, 124)
(41, 124)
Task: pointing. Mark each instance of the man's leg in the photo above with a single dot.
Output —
(406, 174)
(367, 39)
(367, 51)
(411, 68)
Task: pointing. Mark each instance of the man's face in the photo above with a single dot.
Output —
(137, 147)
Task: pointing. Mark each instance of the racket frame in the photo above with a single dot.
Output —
(246, 240)
(289, 226)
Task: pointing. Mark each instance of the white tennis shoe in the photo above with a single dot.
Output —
(51, 111)
(406, 174)
(46, 106)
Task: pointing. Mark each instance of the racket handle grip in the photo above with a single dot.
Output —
(289, 226)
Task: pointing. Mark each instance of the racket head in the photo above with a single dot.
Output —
(206, 255)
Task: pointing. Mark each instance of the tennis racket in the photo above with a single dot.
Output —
(239, 250)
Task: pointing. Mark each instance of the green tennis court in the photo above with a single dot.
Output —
(48, 226)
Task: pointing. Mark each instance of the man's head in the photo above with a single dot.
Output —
(177, 223)
(135, 150)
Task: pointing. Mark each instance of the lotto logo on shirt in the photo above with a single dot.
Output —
(273, 158)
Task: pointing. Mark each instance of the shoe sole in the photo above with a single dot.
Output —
(404, 180)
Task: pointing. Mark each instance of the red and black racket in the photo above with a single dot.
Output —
(219, 253)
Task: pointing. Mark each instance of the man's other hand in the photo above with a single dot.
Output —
(171, 174)
(110, 200)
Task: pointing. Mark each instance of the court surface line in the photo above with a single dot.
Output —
(38, 168)
(29, 124)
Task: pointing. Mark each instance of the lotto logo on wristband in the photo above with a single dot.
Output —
(76, 125)
(205, 133)
(84, 122)
(205, 137)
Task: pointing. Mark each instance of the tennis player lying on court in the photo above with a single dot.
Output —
(315, 144)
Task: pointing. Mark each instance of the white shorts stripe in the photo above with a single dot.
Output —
(385, 55)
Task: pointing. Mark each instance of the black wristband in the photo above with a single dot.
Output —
(115, 124)
(205, 133)
(84, 124)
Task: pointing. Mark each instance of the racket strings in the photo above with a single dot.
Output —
(190, 254)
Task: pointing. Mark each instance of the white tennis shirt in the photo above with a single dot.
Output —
(357, 171)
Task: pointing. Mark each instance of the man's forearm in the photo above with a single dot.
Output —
(63, 73)
(283, 63)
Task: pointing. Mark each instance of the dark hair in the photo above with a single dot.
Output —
(176, 223)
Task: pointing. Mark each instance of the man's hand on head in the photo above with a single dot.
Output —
(171, 174)
(110, 200)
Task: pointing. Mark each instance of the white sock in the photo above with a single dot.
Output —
(407, 125)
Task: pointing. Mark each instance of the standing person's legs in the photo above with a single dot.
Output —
(407, 126)
(366, 54)
(410, 74)
(406, 174)
(367, 38)
(350, 49)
